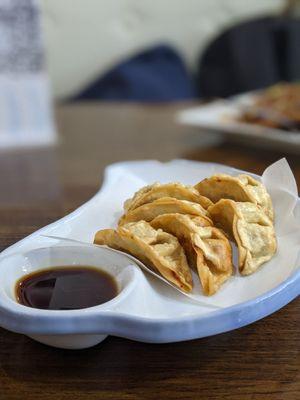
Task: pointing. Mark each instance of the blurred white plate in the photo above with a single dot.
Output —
(219, 116)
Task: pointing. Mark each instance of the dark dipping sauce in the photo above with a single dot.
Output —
(66, 288)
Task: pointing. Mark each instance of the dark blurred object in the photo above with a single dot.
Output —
(277, 107)
(157, 74)
(250, 56)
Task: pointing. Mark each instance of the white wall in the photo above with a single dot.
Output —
(84, 38)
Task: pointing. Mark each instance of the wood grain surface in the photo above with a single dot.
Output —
(260, 361)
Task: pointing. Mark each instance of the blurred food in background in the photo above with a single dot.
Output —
(275, 107)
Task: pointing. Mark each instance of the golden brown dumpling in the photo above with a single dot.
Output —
(250, 228)
(207, 248)
(156, 191)
(147, 212)
(157, 249)
(240, 188)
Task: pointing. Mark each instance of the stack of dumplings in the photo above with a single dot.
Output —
(173, 228)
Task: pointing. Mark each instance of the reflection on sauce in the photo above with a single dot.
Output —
(66, 288)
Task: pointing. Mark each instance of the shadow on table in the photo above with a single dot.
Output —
(250, 356)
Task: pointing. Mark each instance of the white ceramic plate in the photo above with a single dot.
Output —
(155, 312)
(219, 116)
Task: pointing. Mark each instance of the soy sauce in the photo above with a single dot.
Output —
(66, 288)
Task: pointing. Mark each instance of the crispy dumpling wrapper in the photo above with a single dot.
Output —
(157, 249)
(242, 188)
(207, 249)
(156, 191)
(166, 205)
(181, 226)
(250, 228)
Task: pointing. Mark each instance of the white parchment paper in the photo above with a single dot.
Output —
(280, 183)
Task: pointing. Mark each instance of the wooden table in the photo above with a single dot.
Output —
(260, 361)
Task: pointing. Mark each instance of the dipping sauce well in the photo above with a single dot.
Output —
(66, 288)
